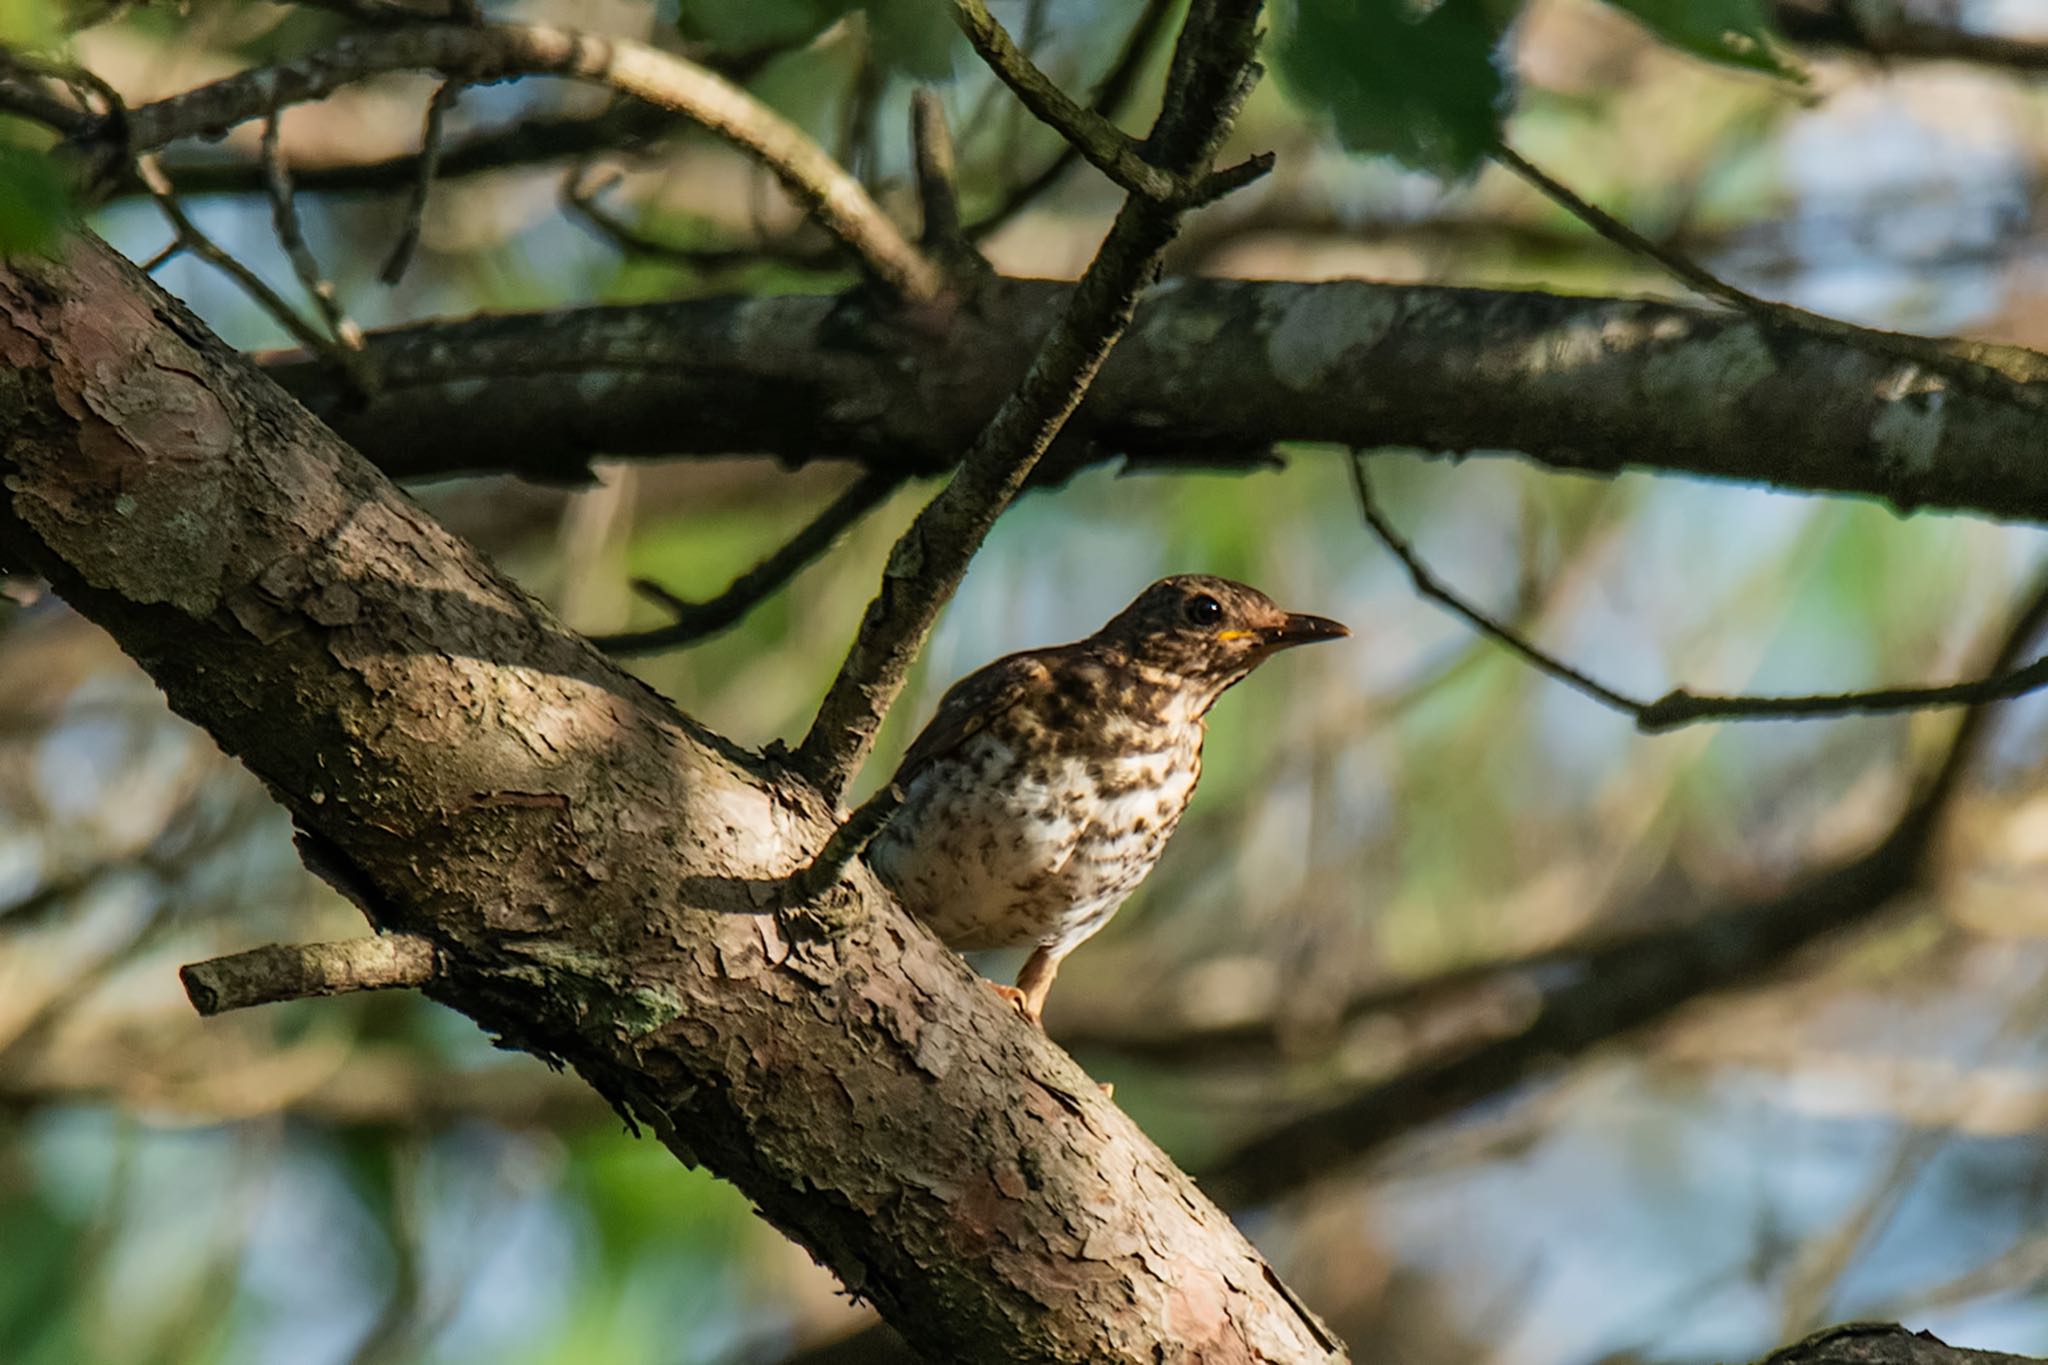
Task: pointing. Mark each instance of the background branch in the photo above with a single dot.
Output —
(694, 621)
(497, 51)
(1682, 706)
(1561, 379)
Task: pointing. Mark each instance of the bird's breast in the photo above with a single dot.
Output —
(1010, 840)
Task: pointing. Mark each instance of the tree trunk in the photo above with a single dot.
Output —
(601, 877)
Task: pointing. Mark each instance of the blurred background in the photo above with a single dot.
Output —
(1402, 851)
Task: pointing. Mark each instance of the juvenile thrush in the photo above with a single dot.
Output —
(1046, 786)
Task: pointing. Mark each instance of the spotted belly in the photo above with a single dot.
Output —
(993, 851)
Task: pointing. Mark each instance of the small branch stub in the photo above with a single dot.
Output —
(298, 971)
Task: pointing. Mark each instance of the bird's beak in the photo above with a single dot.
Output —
(1300, 629)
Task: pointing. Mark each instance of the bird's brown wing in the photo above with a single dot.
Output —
(970, 704)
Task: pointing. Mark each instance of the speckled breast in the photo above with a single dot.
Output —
(1013, 840)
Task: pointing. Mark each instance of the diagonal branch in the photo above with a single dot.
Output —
(1212, 71)
(1681, 706)
(694, 621)
(489, 52)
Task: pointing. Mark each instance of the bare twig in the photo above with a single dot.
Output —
(347, 338)
(1681, 706)
(431, 142)
(1960, 360)
(499, 51)
(848, 842)
(296, 971)
(694, 621)
(1212, 72)
(1105, 146)
(1111, 93)
(190, 238)
(582, 191)
(938, 191)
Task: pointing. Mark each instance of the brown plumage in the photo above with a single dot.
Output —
(1047, 784)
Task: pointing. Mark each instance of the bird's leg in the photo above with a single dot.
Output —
(1035, 981)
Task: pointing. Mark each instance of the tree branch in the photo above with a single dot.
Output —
(1681, 706)
(1111, 94)
(299, 971)
(1597, 385)
(696, 621)
(486, 52)
(1212, 73)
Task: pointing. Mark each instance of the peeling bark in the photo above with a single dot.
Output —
(596, 872)
(1213, 372)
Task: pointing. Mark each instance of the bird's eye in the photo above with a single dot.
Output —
(1203, 610)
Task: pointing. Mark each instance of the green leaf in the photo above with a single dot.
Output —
(1416, 81)
(35, 200)
(1732, 32)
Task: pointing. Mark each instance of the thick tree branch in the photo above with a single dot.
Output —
(590, 865)
(297, 971)
(1213, 69)
(486, 52)
(1211, 371)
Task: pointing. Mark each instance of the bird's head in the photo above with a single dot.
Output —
(1208, 632)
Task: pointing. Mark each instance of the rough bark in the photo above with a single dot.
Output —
(598, 874)
(1879, 1343)
(1212, 371)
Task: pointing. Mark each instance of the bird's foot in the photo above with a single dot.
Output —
(1017, 1001)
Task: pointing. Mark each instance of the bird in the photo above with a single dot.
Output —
(1047, 783)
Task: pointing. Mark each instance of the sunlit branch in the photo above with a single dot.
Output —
(498, 51)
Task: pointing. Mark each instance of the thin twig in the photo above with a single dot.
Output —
(190, 238)
(347, 339)
(431, 144)
(502, 50)
(1958, 359)
(295, 971)
(848, 842)
(1212, 72)
(1681, 706)
(1107, 147)
(694, 621)
(1111, 93)
(581, 195)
